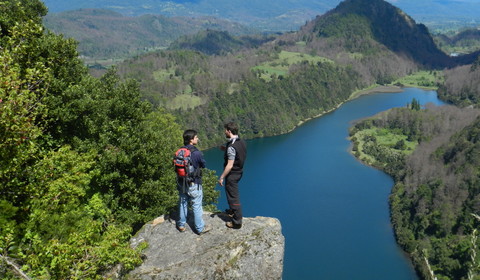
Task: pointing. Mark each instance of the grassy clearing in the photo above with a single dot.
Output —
(422, 79)
(163, 75)
(185, 101)
(280, 66)
(385, 138)
(356, 55)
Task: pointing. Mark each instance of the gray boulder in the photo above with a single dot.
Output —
(253, 252)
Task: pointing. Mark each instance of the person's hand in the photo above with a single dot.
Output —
(222, 147)
(220, 181)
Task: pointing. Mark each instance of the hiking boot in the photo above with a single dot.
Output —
(181, 229)
(206, 229)
(232, 225)
(229, 212)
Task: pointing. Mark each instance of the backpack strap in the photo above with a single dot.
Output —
(198, 171)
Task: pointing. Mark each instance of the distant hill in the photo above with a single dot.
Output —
(277, 15)
(107, 34)
(463, 42)
(360, 20)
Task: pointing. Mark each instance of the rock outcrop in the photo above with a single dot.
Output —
(253, 252)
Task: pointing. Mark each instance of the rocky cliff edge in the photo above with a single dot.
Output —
(253, 252)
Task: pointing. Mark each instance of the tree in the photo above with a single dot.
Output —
(22, 91)
(415, 105)
(84, 161)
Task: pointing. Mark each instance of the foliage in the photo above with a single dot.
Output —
(13, 12)
(21, 93)
(69, 235)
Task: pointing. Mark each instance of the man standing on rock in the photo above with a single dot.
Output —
(234, 158)
(190, 191)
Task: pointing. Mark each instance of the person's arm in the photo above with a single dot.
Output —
(225, 172)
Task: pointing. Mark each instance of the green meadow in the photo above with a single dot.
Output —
(423, 79)
(280, 66)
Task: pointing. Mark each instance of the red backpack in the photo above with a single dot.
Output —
(183, 164)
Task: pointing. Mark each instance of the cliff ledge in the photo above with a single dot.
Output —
(253, 252)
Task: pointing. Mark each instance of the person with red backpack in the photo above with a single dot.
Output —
(188, 163)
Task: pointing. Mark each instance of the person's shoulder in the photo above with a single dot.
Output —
(231, 149)
(192, 148)
(241, 141)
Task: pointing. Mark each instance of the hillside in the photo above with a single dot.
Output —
(103, 34)
(462, 85)
(214, 42)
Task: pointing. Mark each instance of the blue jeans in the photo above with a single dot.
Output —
(194, 195)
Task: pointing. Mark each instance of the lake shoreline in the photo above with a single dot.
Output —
(356, 94)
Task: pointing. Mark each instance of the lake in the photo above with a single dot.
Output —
(333, 209)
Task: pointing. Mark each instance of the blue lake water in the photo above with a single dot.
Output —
(333, 209)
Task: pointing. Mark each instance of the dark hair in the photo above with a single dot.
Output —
(233, 127)
(188, 135)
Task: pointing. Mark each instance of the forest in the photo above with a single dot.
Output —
(87, 153)
(84, 163)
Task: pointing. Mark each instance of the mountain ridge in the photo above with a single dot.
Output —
(108, 34)
(281, 15)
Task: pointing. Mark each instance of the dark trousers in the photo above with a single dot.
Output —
(233, 196)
